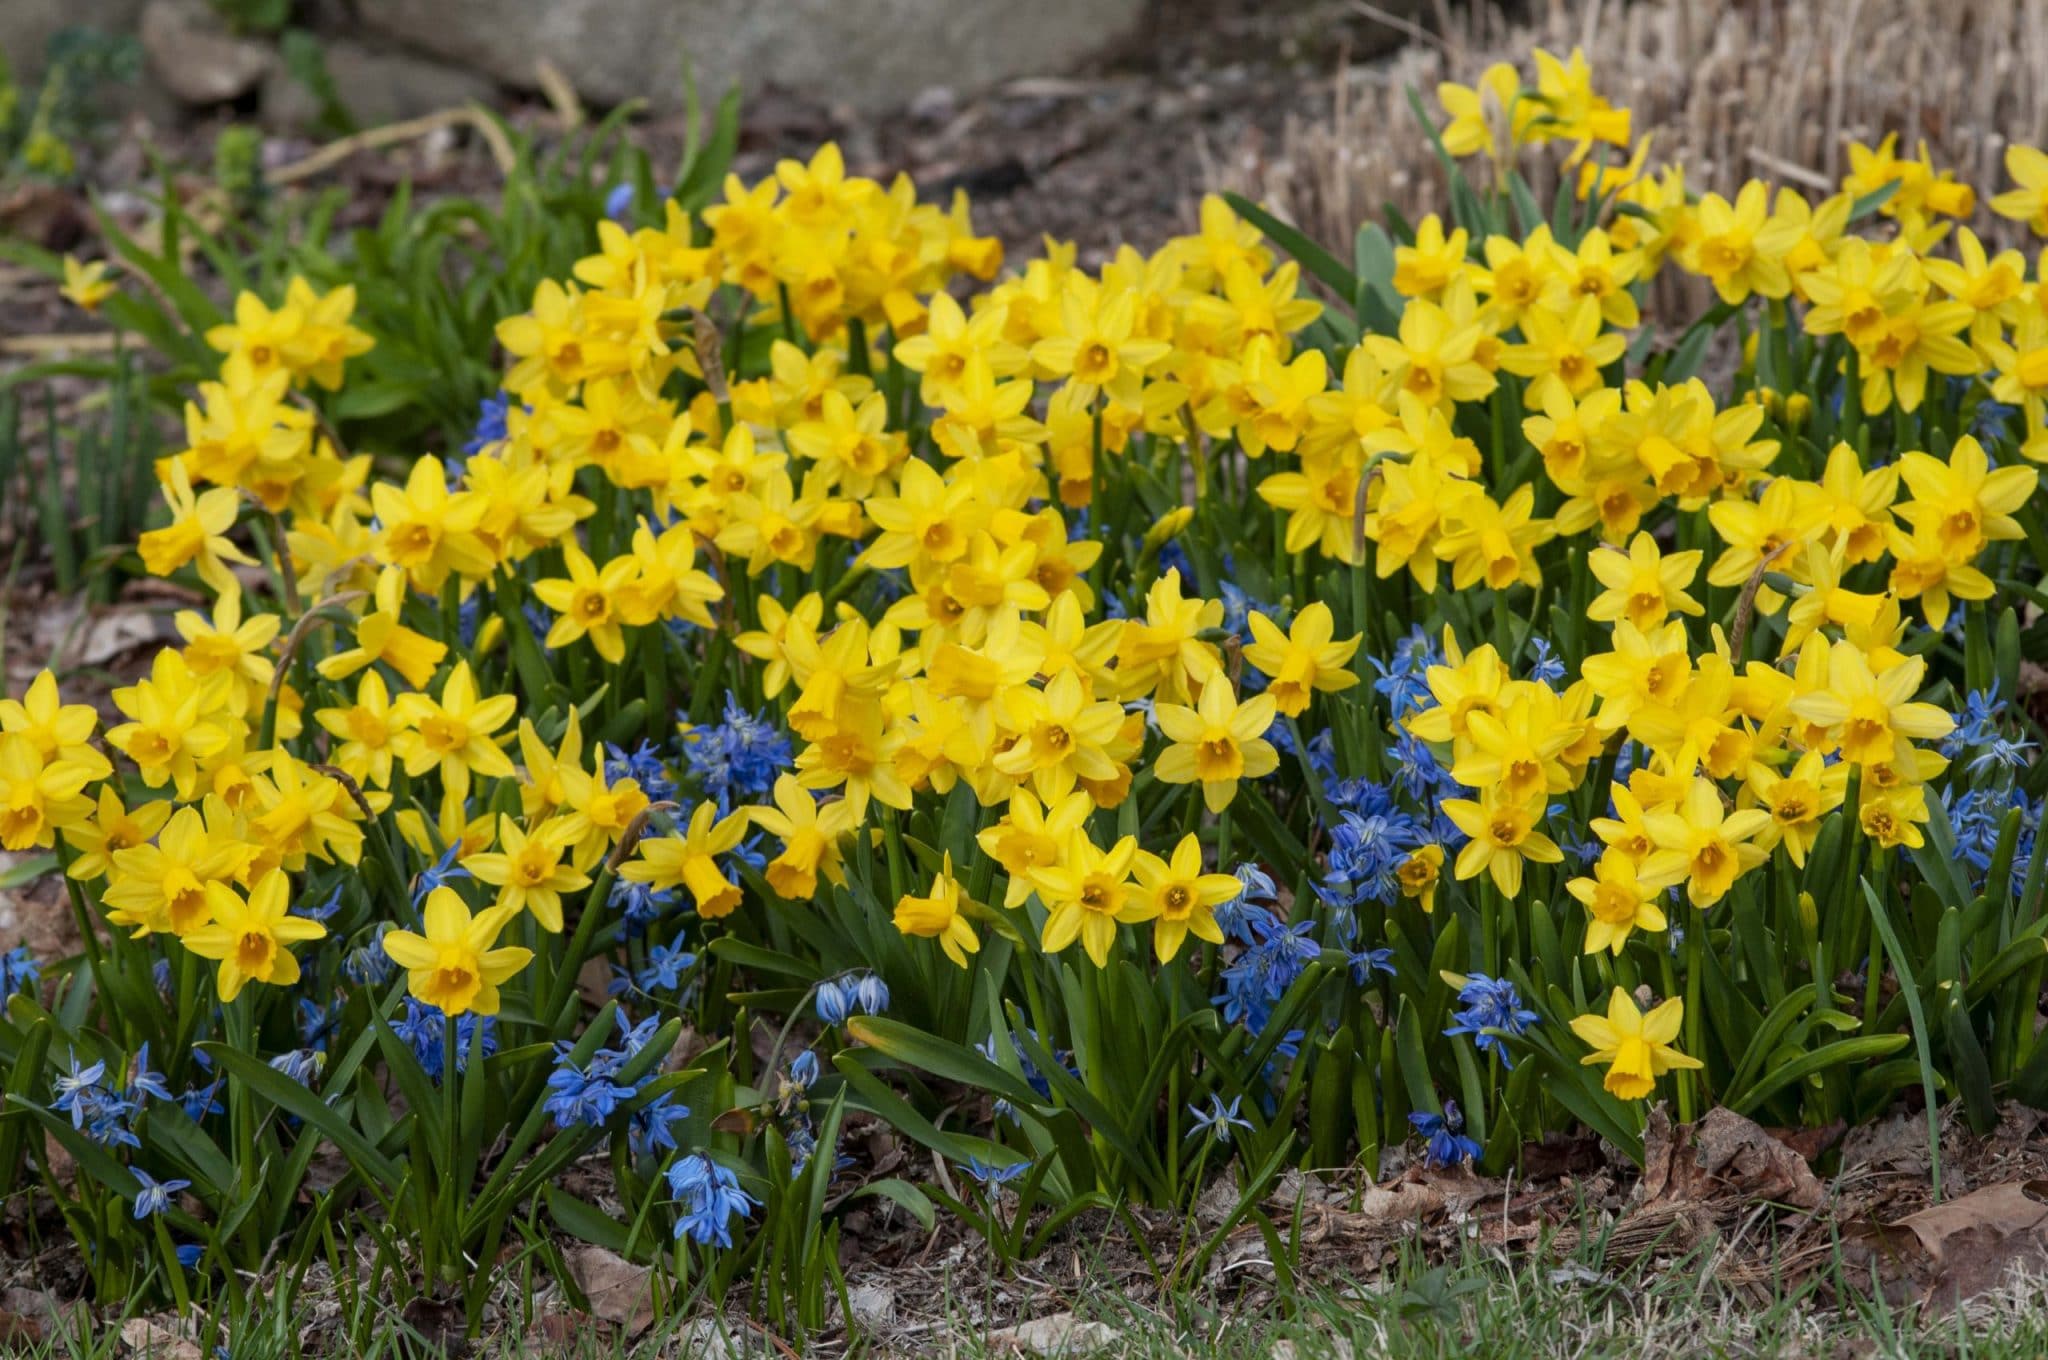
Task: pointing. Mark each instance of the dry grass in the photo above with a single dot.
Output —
(1731, 88)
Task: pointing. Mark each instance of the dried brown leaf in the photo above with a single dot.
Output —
(618, 1291)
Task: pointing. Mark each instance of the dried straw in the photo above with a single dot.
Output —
(1730, 88)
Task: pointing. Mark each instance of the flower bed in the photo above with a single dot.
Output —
(1233, 710)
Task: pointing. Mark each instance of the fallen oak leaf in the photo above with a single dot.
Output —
(1723, 1157)
(2004, 1210)
(617, 1291)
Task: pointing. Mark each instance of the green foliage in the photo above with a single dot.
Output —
(42, 129)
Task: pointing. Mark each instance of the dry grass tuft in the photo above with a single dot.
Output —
(1730, 88)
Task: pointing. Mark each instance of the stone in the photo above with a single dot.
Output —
(377, 85)
(871, 54)
(1061, 1336)
(196, 56)
(26, 27)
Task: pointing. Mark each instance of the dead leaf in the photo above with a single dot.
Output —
(440, 1324)
(594, 980)
(153, 1339)
(1724, 1156)
(1998, 1210)
(618, 1291)
(706, 1339)
(1956, 1250)
(1060, 1335)
(1404, 1202)
(1898, 1142)
(1811, 1143)
(1561, 1154)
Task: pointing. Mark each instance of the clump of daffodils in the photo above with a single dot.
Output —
(1129, 571)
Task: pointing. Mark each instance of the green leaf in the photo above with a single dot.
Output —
(585, 1222)
(1967, 1066)
(903, 1195)
(941, 1058)
(1310, 256)
(28, 870)
(1921, 1039)
(380, 1172)
(1841, 1053)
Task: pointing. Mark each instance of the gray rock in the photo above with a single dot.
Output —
(868, 53)
(378, 85)
(26, 27)
(196, 56)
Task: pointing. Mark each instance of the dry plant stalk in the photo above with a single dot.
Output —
(1729, 88)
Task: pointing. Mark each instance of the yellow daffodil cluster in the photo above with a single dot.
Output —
(996, 665)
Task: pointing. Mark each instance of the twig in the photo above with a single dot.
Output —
(57, 342)
(561, 95)
(391, 134)
(321, 422)
(708, 346)
(1798, 174)
(1745, 607)
(629, 840)
(347, 781)
(1403, 24)
(298, 635)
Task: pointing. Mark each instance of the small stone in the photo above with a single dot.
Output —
(1061, 1336)
(198, 59)
(705, 1339)
(872, 1305)
(375, 85)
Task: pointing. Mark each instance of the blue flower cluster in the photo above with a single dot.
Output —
(442, 873)
(1978, 730)
(1448, 1145)
(367, 965)
(18, 969)
(1402, 681)
(736, 762)
(664, 970)
(1219, 1118)
(991, 1178)
(102, 1111)
(1484, 1004)
(1979, 817)
(642, 904)
(592, 1093)
(425, 1029)
(850, 994)
(644, 766)
(1033, 1076)
(1370, 842)
(302, 1065)
(153, 1196)
(491, 418)
(1272, 956)
(710, 1197)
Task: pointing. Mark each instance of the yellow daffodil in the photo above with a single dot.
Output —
(1635, 1046)
(1218, 742)
(1503, 838)
(454, 966)
(251, 937)
(86, 286)
(529, 871)
(1183, 898)
(1088, 894)
(937, 916)
(1303, 660)
(690, 860)
(811, 834)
